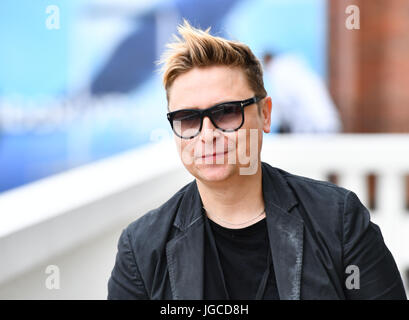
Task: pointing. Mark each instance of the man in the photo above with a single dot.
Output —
(300, 97)
(243, 229)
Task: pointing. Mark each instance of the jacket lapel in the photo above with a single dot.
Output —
(185, 252)
(286, 244)
(285, 231)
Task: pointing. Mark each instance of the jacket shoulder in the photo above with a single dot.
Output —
(321, 204)
(320, 188)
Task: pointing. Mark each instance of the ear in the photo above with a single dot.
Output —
(266, 106)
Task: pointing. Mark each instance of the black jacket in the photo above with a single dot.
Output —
(316, 230)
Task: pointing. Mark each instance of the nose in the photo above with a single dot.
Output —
(209, 131)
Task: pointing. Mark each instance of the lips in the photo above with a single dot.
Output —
(215, 154)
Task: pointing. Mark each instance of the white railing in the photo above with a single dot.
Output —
(73, 220)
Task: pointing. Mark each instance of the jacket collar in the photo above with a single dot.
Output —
(285, 230)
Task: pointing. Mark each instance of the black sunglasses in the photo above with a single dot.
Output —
(226, 116)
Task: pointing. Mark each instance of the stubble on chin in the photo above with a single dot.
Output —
(214, 173)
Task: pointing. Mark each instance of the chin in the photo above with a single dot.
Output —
(213, 172)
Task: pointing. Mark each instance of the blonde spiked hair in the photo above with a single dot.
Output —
(198, 48)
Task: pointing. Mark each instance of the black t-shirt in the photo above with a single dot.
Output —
(238, 263)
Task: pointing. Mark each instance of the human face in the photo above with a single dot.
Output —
(205, 87)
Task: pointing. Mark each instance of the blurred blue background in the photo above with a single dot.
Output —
(89, 89)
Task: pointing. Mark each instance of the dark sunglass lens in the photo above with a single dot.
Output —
(186, 123)
(228, 116)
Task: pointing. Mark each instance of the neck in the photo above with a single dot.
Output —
(236, 200)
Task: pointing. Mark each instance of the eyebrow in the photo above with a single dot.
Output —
(198, 108)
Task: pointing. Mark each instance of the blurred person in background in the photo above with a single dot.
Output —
(301, 100)
(235, 233)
